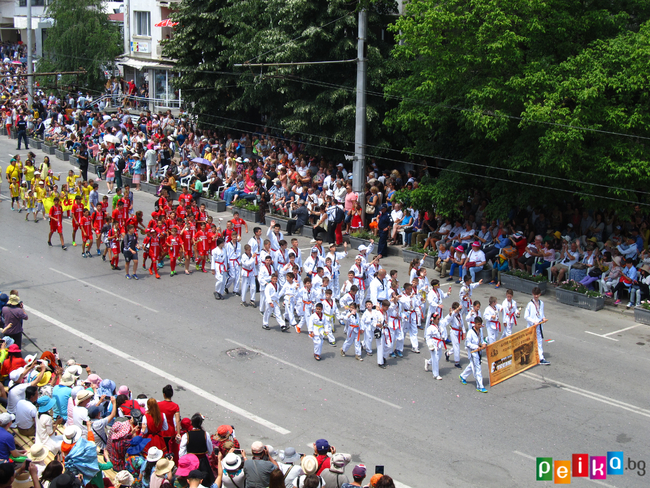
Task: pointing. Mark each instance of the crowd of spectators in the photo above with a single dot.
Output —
(71, 428)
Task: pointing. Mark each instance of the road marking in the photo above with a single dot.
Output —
(321, 377)
(589, 394)
(603, 336)
(606, 336)
(105, 291)
(527, 456)
(622, 330)
(3, 249)
(163, 374)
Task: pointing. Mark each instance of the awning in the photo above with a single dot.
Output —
(141, 64)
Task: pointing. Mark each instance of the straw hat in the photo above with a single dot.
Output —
(163, 466)
(38, 452)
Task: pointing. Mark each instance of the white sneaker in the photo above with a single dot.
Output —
(426, 365)
(438, 377)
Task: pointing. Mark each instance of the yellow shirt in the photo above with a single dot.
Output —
(14, 189)
(30, 201)
(10, 170)
(29, 173)
(71, 182)
(18, 170)
(40, 194)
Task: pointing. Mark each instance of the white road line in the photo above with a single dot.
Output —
(527, 456)
(105, 291)
(321, 377)
(622, 330)
(589, 394)
(163, 374)
(603, 336)
(3, 249)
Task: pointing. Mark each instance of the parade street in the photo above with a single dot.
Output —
(592, 399)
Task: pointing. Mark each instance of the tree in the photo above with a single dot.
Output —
(507, 87)
(312, 99)
(82, 37)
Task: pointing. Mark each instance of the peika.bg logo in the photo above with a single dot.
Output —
(585, 466)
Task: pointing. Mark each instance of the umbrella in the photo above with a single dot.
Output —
(110, 138)
(112, 123)
(166, 23)
(202, 161)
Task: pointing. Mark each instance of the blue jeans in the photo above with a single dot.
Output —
(229, 194)
(473, 270)
(453, 268)
(541, 267)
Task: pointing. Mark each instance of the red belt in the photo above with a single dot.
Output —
(399, 321)
(362, 284)
(512, 316)
(461, 334)
(440, 340)
(496, 322)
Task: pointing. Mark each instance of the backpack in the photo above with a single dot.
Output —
(121, 164)
(339, 215)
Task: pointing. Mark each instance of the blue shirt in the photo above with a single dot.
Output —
(630, 273)
(61, 394)
(7, 443)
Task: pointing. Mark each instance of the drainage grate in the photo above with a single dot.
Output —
(241, 353)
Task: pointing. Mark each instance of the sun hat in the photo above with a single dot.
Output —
(29, 359)
(65, 480)
(163, 466)
(47, 376)
(124, 478)
(359, 471)
(617, 260)
(120, 430)
(94, 380)
(75, 390)
(123, 390)
(71, 434)
(154, 454)
(460, 249)
(106, 387)
(224, 430)
(557, 234)
(137, 445)
(309, 465)
(15, 374)
(257, 447)
(232, 462)
(6, 418)
(83, 395)
(339, 461)
(593, 239)
(290, 456)
(67, 379)
(38, 452)
(45, 404)
(8, 340)
(186, 464)
(14, 348)
(476, 244)
(13, 300)
(74, 370)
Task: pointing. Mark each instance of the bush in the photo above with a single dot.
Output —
(363, 234)
(517, 273)
(246, 205)
(572, 285)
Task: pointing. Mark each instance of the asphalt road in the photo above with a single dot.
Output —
(592, 399)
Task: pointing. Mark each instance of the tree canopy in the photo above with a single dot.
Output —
(503, 90)
(316, 99)
(82, 37)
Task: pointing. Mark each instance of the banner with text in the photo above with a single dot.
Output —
(512, 355)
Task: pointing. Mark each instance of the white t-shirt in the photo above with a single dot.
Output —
(80, 417)
(25, 414)
(16, 394)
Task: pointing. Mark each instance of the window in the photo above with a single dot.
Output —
(142, 21)
(35, 3)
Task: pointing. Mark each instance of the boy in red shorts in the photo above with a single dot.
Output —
(154, 251)
(77, 213)
(187, 235)
(98, 218)
(119, 216)
(56, 223)
(237, 223)
(86, 233)
(114, 238)
(174, 244)
(227, 234)
(201, 247)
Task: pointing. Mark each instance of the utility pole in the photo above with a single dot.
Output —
(30, 64)
(359, 167)
(127, 28)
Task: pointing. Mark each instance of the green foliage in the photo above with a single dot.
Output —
(579, 288)
(362, 234)
(472, 64)
(214, 36)
(246, 205)
(82, 37)
(518, 273)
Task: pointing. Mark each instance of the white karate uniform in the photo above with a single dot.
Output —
(317, 288)
(395, 328)
(492, 323)
(218, 264)
(360, 281)
(296, 252)
(435, 343)
(280, 258)
(316, 323)
(271, 298)
(256, 249)
(510, 314)
(533, 315)
(344, 302)
(305, 305)
(233, 250)
(378, 291)
(354, 333)
(311, 265)
(465, 296)
(275, 239)
(409, 319)
(368, 324)
(264, 278)
(457, 333)
(248, 276)
(385, 342)
(289, 291)
(472, 342)
(336, 271)
(435, 298)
